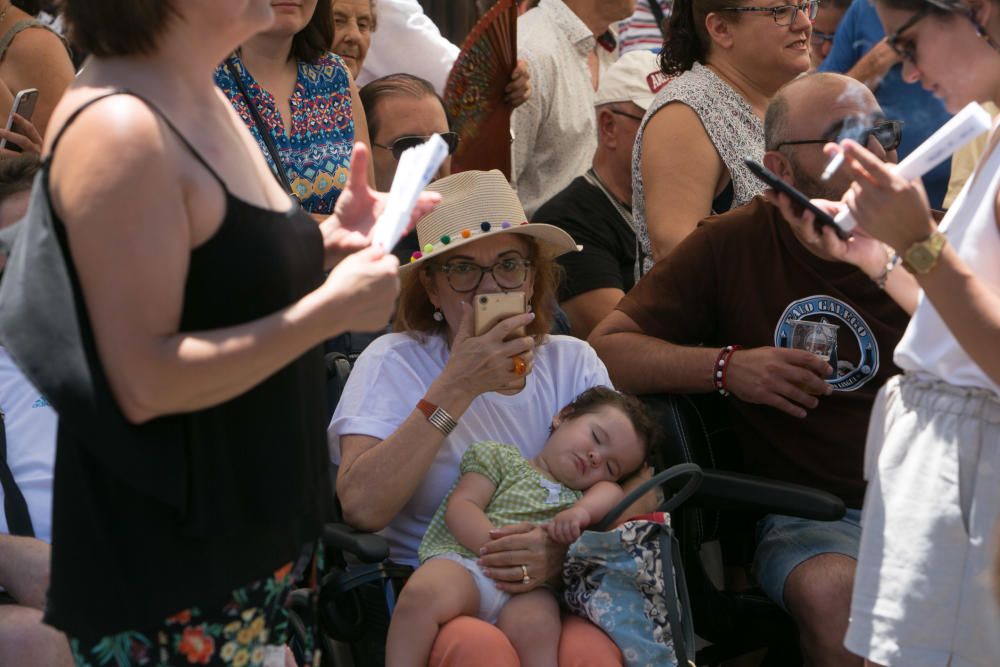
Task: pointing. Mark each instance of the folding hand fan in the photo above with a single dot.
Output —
(473, 95)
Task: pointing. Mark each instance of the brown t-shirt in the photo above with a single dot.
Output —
(738, 279)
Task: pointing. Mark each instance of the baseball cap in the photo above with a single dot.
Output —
(635, 77)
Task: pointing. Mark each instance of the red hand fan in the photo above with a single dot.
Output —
(473, 95)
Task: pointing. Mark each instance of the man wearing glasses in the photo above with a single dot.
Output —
(828, 17)
(729, 292)
(860, 51)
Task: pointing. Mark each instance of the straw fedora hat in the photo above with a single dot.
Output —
(476, 204)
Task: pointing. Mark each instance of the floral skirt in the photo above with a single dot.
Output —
(250, 628)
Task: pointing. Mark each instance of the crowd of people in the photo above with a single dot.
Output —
(186, 213)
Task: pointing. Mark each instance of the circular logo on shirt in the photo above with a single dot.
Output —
(849, 374)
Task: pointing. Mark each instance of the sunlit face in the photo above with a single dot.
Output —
(354, 23)
(945, 55)
(778, 51)
(291, 16)
(821, 40)
(819, 110)
(485, 251)
(592, 447)
(404, 116)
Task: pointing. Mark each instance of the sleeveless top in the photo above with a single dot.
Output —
(927, 345)
(731, 125)
(179, 511)
(21, 26)
(317, 151)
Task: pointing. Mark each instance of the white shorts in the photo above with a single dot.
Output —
(923, 594)
(491, 598)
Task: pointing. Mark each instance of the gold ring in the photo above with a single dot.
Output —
(525, 579)
(520, 368)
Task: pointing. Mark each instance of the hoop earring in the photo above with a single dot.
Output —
(438, 315)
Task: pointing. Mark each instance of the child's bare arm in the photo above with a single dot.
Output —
(465, 515)
(591, 508)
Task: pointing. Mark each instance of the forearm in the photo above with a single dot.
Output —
(641, 364)
(969, 308)
(195, 370)
(372, 485)
(599, 499)
(24, 569)
(874, 65)
(468, 523)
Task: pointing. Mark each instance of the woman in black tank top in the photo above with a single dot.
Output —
(170, 303)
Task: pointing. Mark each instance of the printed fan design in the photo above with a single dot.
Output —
(473, 95)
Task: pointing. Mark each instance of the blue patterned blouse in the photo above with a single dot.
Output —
(317, 152)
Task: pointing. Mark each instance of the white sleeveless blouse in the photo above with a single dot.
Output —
(927, 345)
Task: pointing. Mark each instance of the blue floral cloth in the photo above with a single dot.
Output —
(317, 151)
(615, 579)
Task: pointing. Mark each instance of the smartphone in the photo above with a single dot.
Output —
(491, 308)
(24, 105)
(821, 217)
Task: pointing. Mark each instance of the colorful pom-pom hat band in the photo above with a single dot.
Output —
(475, 204)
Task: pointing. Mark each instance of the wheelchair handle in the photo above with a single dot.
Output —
(694, 481)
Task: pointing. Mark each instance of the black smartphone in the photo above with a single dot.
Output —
(821, 217)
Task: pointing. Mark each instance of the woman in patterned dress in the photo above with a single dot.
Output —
(728, 58)
(305, 96)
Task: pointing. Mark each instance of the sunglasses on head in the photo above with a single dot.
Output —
(887, 133)
(405, 143)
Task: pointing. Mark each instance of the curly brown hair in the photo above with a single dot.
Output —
(415, 312)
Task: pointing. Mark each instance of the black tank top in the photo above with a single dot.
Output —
(178, 512)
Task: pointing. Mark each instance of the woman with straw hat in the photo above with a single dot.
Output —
(418, 397)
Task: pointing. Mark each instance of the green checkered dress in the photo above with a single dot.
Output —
(522, 494)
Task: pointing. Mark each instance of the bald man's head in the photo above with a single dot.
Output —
(810, 111)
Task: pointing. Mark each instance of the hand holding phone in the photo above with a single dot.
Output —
(24, 106)
(820, 217)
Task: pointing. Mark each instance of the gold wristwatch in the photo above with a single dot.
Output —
(923, 256)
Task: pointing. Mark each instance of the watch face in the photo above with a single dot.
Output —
(920, 258)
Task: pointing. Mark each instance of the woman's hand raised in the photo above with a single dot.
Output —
(358, 207)
(479, 364)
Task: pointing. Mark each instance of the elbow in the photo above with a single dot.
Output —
(361, 513)
(136, 402)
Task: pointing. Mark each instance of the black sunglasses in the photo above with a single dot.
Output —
(888, 133)
(404, 143)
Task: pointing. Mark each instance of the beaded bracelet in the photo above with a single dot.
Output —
(721, 365)
(892, 259)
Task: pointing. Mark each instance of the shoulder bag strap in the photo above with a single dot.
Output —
(14, 506)
(262, 128)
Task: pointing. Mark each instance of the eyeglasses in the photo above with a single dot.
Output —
(783, 14)
(887, 133)
(626, 114)
(508, 273)
(405, 143)
(819, 38)
(907, 49)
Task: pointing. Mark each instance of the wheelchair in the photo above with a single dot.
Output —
(358, 587)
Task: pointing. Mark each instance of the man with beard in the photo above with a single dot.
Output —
(740, 280)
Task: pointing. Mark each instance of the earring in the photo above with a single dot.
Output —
(530, 307)
(438, 316)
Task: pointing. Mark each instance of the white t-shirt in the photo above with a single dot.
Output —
(927, 345)
(30, 424)
(405, 40)
(394, 373)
